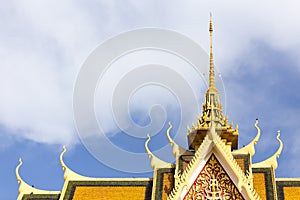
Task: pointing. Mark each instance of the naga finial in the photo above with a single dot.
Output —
(271, 161)
(62, 163)
(249, 148)
(278, 152)
(147, 148)
(19, 179)
(25, 188)
(177, 150)
(68, 173)
(155, 161)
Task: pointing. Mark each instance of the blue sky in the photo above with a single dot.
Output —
(44, 43)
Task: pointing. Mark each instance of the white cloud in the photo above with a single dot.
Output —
(40, 57)
(43, 44)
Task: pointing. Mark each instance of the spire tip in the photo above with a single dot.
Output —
(210, 23)
(211, 68)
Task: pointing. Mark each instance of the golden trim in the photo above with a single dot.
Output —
(287, 179)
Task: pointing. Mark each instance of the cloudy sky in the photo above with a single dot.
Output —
(43, 45)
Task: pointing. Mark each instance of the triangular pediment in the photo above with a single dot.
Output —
(213, 182)
(213, 169)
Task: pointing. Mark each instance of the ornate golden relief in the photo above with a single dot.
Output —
(213, 183)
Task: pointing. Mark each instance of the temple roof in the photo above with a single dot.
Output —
(213, 144)
(211, 161)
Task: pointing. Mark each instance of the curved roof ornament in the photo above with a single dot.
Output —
(177, 150)
(62, 163)
(19, 179)
(249, 148)
(271, 161)
(155, 161)
(25, 188)
(69, 174)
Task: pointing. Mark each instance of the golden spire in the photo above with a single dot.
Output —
(212, 108)
(211, 58)
(212, 114)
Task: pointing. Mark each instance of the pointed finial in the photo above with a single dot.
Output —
(211, 58)
(271, 161)
(155, 161)
(25, 188)
(210, 23)
(62, 163)
(146, 146)
(19, 179)
(249, 148)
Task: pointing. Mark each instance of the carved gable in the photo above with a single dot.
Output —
(213, 183)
